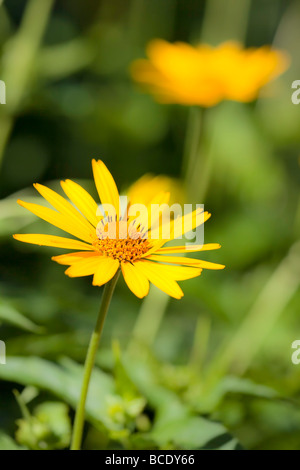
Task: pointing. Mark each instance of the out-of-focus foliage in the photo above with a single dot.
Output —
(49, 428)
(218, 373)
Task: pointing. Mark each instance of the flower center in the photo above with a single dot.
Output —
(120, 240)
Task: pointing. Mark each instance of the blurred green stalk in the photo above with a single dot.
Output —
(194, 135)
(225, 20)
(200, 344)
(18, 63)
(238, 354)
(155, 304)
(150, 317)
(199, 157)
(222, 21)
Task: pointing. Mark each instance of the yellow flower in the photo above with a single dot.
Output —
(146, 187)
(106, 243)
(205, 75)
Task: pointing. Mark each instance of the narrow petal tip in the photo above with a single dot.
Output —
(219, 266)
(67, 272)
(97, 162)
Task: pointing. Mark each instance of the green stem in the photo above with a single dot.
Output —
(202, 163)
(89, 362)
(155, 304)
(200, 343)
(18, 65)
(194, 134)
(150, 318)
(225, 20)
(281, 287)
(24, 410)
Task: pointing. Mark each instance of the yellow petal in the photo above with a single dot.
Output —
(186, 261)
(82, 200)
(157, 276)
(50, 240)
(189, 222)
(63, 207)
(105, 271)
(177, 228)
(135, 280)
(72, 258)
(188, 248)
(85, 267)
(106, 186)
(58, 220)
(208, 265)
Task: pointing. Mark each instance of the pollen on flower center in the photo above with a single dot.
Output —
(120, 240)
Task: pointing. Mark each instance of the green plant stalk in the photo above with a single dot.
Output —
(154, 306)
(153, 309)
(90, 361)
(18, 63)
(200, 343)
(239, 353)
(24, 410)
(193, 139)
(198, 161)
(149, 319)
(230, 22)
(225, 20)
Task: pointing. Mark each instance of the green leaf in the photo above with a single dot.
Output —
(7, 443)
(191, 432)
(48, 428)
(63, 381)
(208, 400)
(223, 442)
(174, 423)
(11, 315)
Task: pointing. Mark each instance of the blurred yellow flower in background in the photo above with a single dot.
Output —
(145, 188)
(204, 75)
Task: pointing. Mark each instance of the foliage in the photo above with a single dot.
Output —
(213, 370)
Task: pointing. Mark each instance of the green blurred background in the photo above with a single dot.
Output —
(223, 353)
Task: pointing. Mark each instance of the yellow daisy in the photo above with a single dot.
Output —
(106, 243)
(205, 75)
(145, 188)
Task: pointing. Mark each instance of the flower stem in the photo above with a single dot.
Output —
(89, 362)
(230, 21)
(193, 139)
